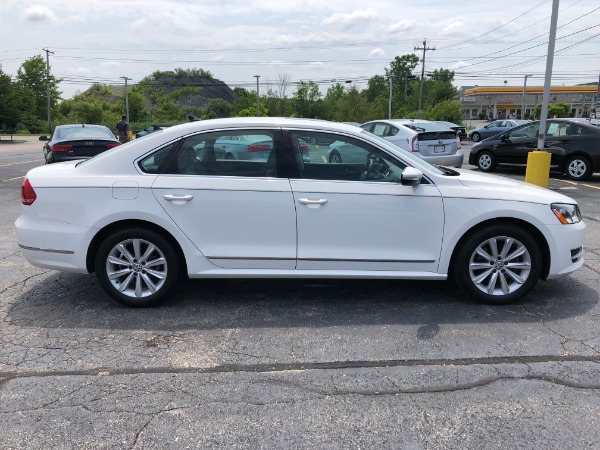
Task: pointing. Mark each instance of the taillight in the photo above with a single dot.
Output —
(61, 148)
(414, 145)
(27, 193)
(258, 147)
(116, 144)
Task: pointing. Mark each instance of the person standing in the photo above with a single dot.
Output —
(123, 129)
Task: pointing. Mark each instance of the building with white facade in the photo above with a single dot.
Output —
(502, 102)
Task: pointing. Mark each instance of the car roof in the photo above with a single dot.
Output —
(80, 125)
(258, 122)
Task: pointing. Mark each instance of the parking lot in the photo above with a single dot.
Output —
(295, 363)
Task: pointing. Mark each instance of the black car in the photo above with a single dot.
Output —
(574, 147)
(79, 141)
(149, 129)
(460, 130)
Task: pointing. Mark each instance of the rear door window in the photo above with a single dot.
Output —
(243, 153)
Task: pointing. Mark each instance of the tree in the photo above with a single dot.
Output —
(377, 86)
(448, 110)
(307, 100)
(31, 77)
(554, 110)
(9, 103)
(218, 108)
(439, 87)
(353, 107)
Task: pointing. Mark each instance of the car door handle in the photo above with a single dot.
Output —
(178, 199)
(312, 203)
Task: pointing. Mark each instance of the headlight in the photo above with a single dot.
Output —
(566, 213)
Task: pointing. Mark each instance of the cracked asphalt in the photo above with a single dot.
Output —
(294, 364)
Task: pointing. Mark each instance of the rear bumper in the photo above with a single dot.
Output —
(52, 245)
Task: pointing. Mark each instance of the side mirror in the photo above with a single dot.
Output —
(504, 137)
(44, 138)
(411, 177)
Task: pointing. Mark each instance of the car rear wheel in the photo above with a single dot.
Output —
(486, 162)
(578, 168)
(335, 158)
(476, 137)
(498, 264)
(137, 267)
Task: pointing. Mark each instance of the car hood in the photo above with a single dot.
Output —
(501, 188)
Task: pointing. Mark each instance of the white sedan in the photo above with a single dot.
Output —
(147, 212)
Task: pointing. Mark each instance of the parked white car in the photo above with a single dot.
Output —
(145, 213)
(435, 143)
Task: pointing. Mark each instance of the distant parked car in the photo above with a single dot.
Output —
(460, 130)
(433, 142)
(77, 141)
(574, 147)
(494, 128)
(150, 129)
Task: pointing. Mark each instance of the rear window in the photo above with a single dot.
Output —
(84, 133)
(425, 126)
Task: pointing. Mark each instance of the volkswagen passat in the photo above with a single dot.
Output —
(145, 213)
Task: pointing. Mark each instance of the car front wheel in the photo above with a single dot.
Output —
(578, 168)
(476, 137)
(137, 267)
(486, 162)
(498, 264)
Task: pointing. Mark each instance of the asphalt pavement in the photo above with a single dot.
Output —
(295, 363)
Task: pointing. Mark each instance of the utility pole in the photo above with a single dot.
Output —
(48, 88)
(257, 97)
(548, 78)
(126, 98)
(425, 49)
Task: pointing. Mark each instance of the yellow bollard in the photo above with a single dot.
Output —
(130, 133)
(538, 168)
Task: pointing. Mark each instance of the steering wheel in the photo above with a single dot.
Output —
(372, 169)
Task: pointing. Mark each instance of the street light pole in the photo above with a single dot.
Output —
(257, 97)
(390, 102)
(48, 88)
(126, 98)
(523, 99)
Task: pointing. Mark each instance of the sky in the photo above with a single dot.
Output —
(486, 43)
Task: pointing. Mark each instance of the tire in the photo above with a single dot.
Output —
(335, 157)
(578, 168)
(486, 161)
(122, 263)
(498, 264)
(229, 156)
(476, 137)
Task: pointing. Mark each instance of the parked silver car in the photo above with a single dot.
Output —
(435, 143)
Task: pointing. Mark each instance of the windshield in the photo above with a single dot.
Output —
(405, 154)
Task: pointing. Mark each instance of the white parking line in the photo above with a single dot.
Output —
(11, 179)
(21, 162)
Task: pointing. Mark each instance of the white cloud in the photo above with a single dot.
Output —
(111, 64)
(82, 71)
(458, 65)
(377, 53)
(346, 21)
(403, 25)
(454, 27)
(38, 13)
